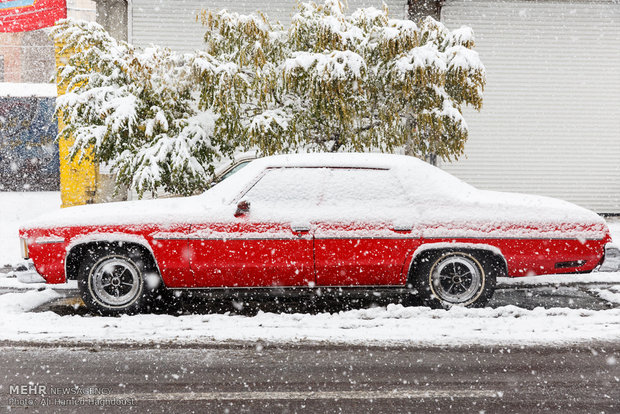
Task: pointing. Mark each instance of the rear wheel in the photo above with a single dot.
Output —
(112, 281)
(454, 278)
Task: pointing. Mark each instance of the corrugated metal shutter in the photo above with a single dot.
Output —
(551, 118)
(173, 23)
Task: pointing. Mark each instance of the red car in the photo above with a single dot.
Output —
(304, 222)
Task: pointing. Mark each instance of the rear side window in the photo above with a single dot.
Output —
(362, 187)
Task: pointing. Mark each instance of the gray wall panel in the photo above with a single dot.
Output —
(173, 23)
(551, 117)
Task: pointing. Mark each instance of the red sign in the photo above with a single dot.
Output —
(26, 15)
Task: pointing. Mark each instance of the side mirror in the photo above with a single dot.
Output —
(243, 208)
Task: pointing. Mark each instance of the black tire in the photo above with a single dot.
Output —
(449, 278)
(113, 281)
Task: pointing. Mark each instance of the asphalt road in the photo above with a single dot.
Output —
(265, 378)
(574, 297)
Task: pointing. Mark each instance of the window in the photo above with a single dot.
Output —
(328, 187)
(362, 187)
(233, 170)
(297, 187)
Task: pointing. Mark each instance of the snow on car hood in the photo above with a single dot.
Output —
(159, 211)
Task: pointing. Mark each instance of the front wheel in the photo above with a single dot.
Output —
(454, 278)
(112, 281)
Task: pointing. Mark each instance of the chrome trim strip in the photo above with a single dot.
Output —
(49, 240)
(230, 238)
(413, 236)
(290, 287)
(508, 238)
(396, 236)
(292, 237)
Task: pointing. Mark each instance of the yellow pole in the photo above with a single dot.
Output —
(78, 179)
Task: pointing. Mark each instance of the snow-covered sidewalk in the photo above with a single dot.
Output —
(389, 326)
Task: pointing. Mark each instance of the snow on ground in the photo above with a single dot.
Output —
(614, 228)
(11, 282)
(559, 280)
(610, 294)
(391, 325)
(27, 89)
(12, 303)
(15, 208)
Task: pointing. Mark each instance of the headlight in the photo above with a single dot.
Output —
(24, 248)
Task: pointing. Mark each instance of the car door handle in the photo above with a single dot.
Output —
(403, 227)
(300, 228)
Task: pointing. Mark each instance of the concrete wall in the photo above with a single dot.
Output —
(112, 15)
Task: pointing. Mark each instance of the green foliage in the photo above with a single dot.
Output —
(329, 82)
(361, 82)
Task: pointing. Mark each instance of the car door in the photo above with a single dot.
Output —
(271, 244)
(365, 233)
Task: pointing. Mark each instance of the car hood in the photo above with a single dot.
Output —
(159, 211)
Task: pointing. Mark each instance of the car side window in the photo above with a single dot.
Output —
(233, 170)
(362, 187)
(288, 187)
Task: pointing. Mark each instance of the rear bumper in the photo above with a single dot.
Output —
(611, 261)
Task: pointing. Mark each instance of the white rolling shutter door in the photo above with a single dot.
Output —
(550, 123)
(173, 23)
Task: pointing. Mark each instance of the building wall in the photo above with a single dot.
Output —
(10, 50)
(112, 15)
(173, 23)
(29, 157)
(28, 57)
(550, 123)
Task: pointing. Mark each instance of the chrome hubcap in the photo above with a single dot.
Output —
(115, 281)
(456, 279)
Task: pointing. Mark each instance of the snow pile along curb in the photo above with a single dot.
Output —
(391, 325)
(16, 303)
(559, 280)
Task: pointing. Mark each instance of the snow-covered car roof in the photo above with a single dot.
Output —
(346, 160)
(428, 179)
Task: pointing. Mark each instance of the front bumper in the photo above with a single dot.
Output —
(611, 263)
